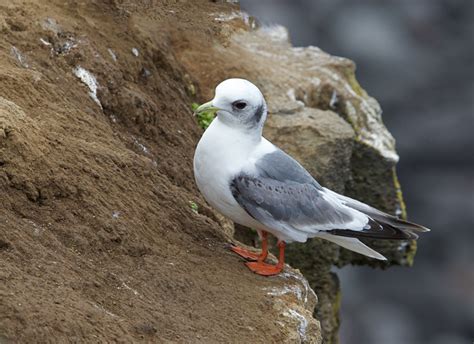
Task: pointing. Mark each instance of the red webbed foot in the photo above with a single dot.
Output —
(264, 269)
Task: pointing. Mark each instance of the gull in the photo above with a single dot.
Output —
(254, 183)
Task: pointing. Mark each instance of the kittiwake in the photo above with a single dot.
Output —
(254, 183)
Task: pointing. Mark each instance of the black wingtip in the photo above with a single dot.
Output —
(383, 218)
(405, 225)
(380, 230)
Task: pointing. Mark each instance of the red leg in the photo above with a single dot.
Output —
(249, 255)
(264, 269)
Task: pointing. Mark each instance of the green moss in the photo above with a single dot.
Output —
(411, 252)
(399, 194)
(194, 207)
(204, 118)
(351, 79)
(354, 126)
(412, 246)
(191, 89)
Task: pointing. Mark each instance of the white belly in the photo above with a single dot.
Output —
(220, 155)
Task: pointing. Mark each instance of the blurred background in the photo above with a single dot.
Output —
(416, 57)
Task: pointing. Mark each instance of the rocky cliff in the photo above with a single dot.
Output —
(103, 234)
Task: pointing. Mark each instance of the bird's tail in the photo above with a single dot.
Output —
(381, 225)
(352, 244)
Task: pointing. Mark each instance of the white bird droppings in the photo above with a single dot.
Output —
(303, 281)
(277, 33)
(291, 94)
(100, 307)
(141, 146)
(19, 57)
(124, 285)
(334, 100)
(112, 54)
(225, 17)
(51, 24)
(89, 79)
(286, 290)
(45, 42)
(303, 322)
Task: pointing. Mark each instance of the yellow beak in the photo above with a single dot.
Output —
(206, 107)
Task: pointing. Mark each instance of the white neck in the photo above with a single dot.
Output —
(240, 135)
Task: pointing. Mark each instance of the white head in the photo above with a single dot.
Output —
(238, 102)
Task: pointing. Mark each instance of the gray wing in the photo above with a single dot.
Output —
(281, 167)
(297, 210)
(282, 195)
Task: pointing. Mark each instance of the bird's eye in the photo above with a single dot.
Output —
(239, 105)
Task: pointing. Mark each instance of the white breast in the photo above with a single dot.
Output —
(220, 155)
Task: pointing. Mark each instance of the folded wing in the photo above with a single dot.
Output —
(282, 195)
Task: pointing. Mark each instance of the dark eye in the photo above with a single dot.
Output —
(239, 105)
